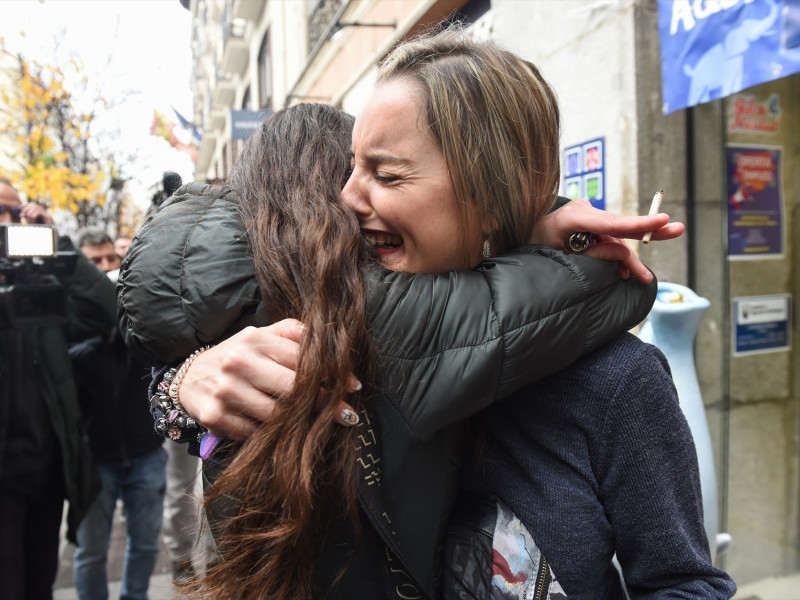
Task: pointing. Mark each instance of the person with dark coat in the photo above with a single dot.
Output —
(112, 387)
(44, 451)
(131, 460)
(170, 181)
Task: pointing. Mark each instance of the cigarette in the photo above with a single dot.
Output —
(655, 206)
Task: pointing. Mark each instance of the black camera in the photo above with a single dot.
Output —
(30, 263)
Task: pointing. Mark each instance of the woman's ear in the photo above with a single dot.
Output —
(489, 226)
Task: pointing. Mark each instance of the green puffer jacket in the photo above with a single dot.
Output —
(449, 346)
(91, 311)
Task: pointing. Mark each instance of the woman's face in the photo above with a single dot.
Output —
(401, 191)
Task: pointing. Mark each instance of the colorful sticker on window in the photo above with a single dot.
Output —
(584, 172)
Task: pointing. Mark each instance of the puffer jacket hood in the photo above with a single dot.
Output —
(187, 279)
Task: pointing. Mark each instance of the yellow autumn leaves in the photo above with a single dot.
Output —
(49, 161)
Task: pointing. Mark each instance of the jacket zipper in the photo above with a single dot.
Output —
(543, 577)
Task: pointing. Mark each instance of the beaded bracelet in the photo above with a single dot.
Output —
(171, 419)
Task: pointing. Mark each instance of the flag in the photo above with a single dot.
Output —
(187, 124)
(164, 128)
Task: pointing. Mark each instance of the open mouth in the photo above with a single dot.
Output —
(384, 243)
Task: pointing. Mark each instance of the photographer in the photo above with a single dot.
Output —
(44, 454)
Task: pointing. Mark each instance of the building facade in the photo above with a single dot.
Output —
(603, 59)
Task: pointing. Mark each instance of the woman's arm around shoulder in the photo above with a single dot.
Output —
(450, 345)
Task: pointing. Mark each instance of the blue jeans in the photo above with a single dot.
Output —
(140, 483)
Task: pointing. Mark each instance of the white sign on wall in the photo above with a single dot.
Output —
(761, 324)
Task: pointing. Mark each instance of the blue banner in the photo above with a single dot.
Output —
(245, 122)
(714, 48)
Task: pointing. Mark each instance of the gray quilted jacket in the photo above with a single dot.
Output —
(449, 346)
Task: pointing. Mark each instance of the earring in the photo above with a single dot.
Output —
(487, 251)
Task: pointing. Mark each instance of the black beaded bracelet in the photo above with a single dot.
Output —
(170, 418)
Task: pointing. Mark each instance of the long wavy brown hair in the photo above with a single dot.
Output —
(298, 472)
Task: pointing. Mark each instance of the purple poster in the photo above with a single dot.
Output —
(755, 207)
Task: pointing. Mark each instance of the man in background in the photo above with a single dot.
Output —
(44, 454)
(129, 455)
(10, 204)
(121, 244)
(96, 244)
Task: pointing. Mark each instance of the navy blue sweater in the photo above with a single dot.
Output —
(599, 459)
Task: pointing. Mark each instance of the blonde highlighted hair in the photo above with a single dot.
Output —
(496, 121)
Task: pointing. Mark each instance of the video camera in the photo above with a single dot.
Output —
(30, 293)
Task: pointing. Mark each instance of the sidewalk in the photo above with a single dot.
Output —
(160, 589)
(771, 588)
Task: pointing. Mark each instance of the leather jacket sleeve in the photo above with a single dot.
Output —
(449, 344)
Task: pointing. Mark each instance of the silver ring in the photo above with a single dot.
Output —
(579, 242)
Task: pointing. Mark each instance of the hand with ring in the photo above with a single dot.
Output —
(569, 224)
(580, 242)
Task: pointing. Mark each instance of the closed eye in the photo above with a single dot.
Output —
(386, 178)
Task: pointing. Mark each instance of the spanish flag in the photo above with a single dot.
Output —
(164, 128)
